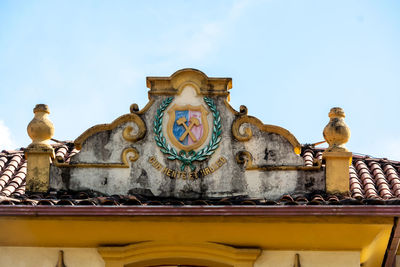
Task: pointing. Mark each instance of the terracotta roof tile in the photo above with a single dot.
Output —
(11, 174)
(308, 157)
(72, 153)
(3, 162)
(372, 181)
(92, 200)
(62, 151)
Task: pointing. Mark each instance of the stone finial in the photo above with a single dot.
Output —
(39, 152)
(40, 129)
(337, 157)
(336, 132)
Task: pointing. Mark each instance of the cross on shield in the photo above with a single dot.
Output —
(187, 126)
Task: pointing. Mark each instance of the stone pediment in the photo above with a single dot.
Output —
(188, 142)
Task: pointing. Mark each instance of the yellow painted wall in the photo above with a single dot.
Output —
(368, 235)
(47, 257)
(309, 258)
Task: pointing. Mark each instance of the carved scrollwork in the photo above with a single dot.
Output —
(247, 133)
(243, 110)
(106, 127)
(141, 132)
(126, 155)
(127, 133)
(245, 158)
(134, 108)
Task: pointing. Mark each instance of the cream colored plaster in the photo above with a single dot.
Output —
(48, 257)
(89, 257)
(309, 259)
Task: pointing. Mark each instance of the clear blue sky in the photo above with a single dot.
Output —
(291, 61)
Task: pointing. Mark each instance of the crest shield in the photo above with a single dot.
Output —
(187, 126)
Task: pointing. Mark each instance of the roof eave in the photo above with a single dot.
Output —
(272, 211)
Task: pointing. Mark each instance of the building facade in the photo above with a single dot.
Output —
(189, 181)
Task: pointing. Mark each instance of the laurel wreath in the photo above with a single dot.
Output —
(187, 158)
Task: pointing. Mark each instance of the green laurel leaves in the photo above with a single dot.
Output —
(216, 133)
(187, 158)
(159, 137)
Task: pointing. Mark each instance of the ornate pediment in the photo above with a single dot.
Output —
(188, 142)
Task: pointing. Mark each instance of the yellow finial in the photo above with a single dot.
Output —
(336, 132)
(39, 152)
(40, 129)
(337, 157)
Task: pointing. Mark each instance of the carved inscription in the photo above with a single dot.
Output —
(175, 174)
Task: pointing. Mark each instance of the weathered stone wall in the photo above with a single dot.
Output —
(225, 178)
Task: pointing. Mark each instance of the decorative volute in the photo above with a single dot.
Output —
(40, 129)
(336, 133)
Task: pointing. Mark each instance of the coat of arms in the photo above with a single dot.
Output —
(187, 126)
(187, 130)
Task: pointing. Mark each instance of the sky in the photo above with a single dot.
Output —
(290, 61)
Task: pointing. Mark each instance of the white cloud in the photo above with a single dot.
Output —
(203, 42)
(208, 39)
(237, 8)
(213, 34)
(6, 140)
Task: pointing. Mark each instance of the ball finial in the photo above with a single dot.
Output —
(336, 132)
(40, 129)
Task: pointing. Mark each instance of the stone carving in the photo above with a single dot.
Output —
(187, 155)
(187, 126)
(127, 133)
(198, 146)
(247, 133)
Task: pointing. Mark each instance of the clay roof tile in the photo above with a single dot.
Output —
(371, 180)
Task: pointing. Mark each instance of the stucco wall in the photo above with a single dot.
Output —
(89, 257)
(309, 258)
(47, 257)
